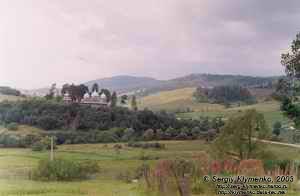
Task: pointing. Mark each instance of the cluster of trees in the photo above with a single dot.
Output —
(5, 90)
(64, 170)
(240, 136)
(245, 81)
(97, 123)
(224, 95)
(77, 91)
(289, 88)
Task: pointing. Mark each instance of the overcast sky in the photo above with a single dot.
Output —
(46, 41)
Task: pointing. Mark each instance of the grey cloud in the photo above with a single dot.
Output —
(163, 39)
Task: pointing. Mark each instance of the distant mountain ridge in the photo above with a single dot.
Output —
(126, 84)
(147, 85)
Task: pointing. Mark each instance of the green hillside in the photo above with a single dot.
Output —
(181, 99)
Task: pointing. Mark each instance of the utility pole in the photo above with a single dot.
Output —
(51, 153)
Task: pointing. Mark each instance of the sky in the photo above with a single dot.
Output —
(73, 41)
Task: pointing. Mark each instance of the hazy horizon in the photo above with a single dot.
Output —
(59, 41)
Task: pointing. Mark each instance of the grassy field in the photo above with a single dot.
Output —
(16, 163)
(270, 109)
(9, 98)
(181, 99)
(176, 99)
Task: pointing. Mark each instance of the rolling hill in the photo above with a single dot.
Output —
(147, 85)
(181, 100)
(125, 84)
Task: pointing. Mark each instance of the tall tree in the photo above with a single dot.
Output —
(107, 94)
(95, 87)
(114, 99)
(124, 99)
(51, 93)
(291, 59)
(134, 103)
(291, 62)
(241, 135)
(76, 91)
(82, 89)
(65, 88)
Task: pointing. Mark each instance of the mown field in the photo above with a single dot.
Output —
(181, 99)
(9, 98)
(15, 164)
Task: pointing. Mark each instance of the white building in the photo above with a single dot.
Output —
(93, 99)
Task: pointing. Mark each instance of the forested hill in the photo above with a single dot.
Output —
(148, 85)
(212, 80)
(126, 83)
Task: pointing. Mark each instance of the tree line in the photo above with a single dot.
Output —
(5, 90)
(224, 95)
(71, 119)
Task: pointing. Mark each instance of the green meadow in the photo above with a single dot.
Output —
(16, 164)
(182, 99)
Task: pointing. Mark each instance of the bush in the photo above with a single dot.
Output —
(148, 135)
(8, 140)
(146, 145)
(38, 146)
(128, 134)
(107, 137)
(277, 128)
(125, 177)
(12, 126)
(64, 170)
(49, 122)
(44, 144)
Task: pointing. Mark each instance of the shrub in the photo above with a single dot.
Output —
(38, 146)
(144, 157)
(12, 126)
(125, 177)
(107, 137)
(30, 139)
(277, 128)
(64, 170)
(46, 141)
(148, 135)
(128, 134)
(8, 140)
(44, 144)
(146, 145)
(49, 122)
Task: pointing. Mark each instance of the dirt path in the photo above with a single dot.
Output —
(280, 143)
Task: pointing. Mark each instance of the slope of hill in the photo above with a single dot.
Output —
(150, 85)
(212, 80)
(181, 100)
(147, 85)
(126, 83)
(176, 100)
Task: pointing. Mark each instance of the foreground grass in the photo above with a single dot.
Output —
(15, 165)
(90, 188)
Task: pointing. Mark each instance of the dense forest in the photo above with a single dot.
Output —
(224, 95)
(76, 123)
